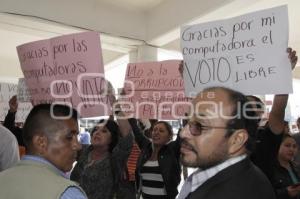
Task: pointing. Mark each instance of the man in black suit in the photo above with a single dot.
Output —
(217, 141)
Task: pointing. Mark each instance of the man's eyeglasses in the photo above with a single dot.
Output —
(197, 128)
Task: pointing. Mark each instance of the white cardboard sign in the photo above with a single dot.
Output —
(23, 93)
(7, 91)
(245, 53)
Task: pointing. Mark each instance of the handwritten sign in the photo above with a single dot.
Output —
(66, 69)
(23, 93)
(155, 90)
(245, 53)
(7, 91)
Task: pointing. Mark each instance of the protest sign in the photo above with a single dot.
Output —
(66, 69)
(23, 93)
(155, 90)
(245, 53)
(7, 91)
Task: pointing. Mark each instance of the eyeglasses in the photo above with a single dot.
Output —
(197, 128)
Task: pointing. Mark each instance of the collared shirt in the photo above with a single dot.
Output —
(70, 192)
(199, 177)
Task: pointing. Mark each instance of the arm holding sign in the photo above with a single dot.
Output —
(276, 118)
(9, 121)
(13, 104)
(140, 138)
(123, 148)
(268, 138)
(276, 123)
(124, 125)
(275, 142)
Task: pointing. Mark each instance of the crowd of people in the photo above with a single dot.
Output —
(237, 156)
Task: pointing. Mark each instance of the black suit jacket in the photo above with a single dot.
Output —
(242, 180)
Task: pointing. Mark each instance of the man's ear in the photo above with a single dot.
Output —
(237, 142)
(40, 143)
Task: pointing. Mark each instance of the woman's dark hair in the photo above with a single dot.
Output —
(167, 125)
(114, 129)
(285, 136)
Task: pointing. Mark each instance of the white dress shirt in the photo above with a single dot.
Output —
(199, 177)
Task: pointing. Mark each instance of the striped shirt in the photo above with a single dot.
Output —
(131, 163)
(152, 182)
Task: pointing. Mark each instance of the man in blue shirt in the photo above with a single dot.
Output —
(84, 137)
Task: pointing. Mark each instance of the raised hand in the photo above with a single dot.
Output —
(292, 56)
(13, 104)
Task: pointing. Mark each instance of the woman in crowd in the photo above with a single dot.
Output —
(285, 179)
(158, 168)
(99, 165)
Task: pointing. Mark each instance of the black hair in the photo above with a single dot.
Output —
(296, 136)
(245, 116)
(46, 119)
(259, 102)
(167, 125)
(285, 122)
(114, 129)
(287, 135)
(259, 105)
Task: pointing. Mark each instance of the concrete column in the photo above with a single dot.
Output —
(144, 53)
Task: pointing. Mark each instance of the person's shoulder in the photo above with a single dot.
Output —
(3, 129)
(251, 179)
(256, 176)
(6, 134)
(73, 192)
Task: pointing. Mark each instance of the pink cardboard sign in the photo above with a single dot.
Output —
(66, 69)
(155, 90)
